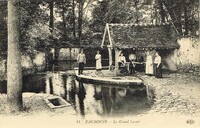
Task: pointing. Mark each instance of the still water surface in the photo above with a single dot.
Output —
(90, 99)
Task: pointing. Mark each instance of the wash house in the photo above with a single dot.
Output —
(139, 38)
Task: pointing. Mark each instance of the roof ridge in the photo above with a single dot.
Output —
(140, 24)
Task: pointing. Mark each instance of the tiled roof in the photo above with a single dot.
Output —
(143, 36)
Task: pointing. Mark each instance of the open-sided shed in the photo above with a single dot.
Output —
(138, 37)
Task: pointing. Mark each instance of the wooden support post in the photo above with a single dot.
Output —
(104, 36)
(110, 57)
(117, 53)
(109, 36)
(70, 58)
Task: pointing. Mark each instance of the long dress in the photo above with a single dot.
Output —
(158, 69)
(149, 65)
(98, 61)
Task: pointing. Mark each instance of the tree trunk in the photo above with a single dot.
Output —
(199, 31)
(162, 13)
(80, 20)
(63, 16)
(48, 65)
(199, 20)
(51, 26)
(51, 16)
(74, 19)
(185, 17)
(137, 12)
(14, 68)
(175, 16)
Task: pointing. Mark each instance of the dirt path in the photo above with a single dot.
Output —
(176, 94)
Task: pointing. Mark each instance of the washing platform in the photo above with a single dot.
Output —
(106, 77)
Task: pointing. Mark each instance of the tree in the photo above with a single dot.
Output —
(74, 18)
(120, 11)
(51, 17)
(14, 69)
(199, 30)
(80, 18)
(63, 17)
(99, 18)
(3, 28)
(182, 13)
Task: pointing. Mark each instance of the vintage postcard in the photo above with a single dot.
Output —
(99, 63)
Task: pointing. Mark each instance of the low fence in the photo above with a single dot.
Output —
(64, 65)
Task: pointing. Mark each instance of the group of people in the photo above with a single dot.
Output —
(81, 59)
(152, 67)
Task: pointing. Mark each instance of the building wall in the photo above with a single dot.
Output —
(65, 61)
(186, 58)
(64, 53)
(189, 53)
(169, 60)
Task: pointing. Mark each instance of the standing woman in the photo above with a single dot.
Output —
(157, 66)
(98, 61)
(149, 64)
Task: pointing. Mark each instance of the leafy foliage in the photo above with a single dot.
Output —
(182, 13)
(35, 29)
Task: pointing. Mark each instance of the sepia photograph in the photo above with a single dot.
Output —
(99, 63)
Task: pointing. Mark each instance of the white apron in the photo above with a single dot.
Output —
(98, 61)
(149, 65)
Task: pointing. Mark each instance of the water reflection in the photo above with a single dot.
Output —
(90, 99)
(110, 101)
(81, 97)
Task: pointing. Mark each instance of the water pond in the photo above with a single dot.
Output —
(89, 99)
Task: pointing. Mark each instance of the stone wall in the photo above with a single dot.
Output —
(64, 53)
(189, 51)
(186, 58)
(188, 55)
(29, 65)
(67, 58)
(170, 60)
